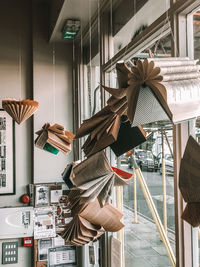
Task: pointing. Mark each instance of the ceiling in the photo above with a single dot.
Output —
(70, 9)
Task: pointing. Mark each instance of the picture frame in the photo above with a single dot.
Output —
(42, 197)
(43, 246)
(7, 154)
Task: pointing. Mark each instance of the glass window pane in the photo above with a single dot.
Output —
(142, 241)
(141, 17)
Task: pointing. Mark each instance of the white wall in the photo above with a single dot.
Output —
(53, 90)
(15, 82)
(26, 69)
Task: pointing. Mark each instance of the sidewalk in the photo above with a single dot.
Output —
(143, 247)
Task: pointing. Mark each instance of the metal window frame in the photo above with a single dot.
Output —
(186, 236)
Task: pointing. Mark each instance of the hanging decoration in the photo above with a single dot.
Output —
(20, 110)
(106, 126)
(90, 221)
(54, 139)
(168, 88)
(189, 182)
(91, 183)
(95, 179)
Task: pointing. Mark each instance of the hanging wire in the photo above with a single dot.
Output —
(111, 31)
(111, 44)
(134, 21)
(54, 82)
(75, 151)
(82, 95)
(166, 21)
(20, 66)
(173, 37)
(82, 85)
(98, 25)
(90, 58)
(95, 94)
(20, 56)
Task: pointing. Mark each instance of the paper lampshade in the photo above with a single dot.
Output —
(20, 110)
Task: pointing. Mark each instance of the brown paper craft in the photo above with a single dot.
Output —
(20, 110)
(68, 174)
(91, 222)
(163, 89)
(54, 138)
(104, 126)
(96, 179)
(189, 182)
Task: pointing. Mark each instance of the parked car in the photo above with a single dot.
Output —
(124, 159)
(169, 163)
(144, 159)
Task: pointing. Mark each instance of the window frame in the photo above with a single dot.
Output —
(178, 13)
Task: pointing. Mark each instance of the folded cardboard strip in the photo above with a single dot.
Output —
(189, 182)
(20, 110)
(54, 139)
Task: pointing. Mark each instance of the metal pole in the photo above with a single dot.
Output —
(119, 200)
(164, 185)
(120, 234)
(135, 194)
(154, 213)
(170, 149)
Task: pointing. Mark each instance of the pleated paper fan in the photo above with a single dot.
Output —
(20, 110)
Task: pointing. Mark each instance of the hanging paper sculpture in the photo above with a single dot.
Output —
(107, 126)
(163, 89)
(95, 178)
(189, 182)
(54, 139)
(90, 221)
(68, 174)
(128, 137)
(20, 110)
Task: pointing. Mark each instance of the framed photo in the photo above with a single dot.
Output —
(43, 246)
(7, 154)
(41, 195)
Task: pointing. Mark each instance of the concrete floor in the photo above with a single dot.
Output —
(143, 246)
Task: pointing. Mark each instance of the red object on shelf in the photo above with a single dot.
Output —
(25, 199)
(121, 173)
(28, 241)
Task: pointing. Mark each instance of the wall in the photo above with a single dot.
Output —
(53, 89)
(26, 69)
(15, 80)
